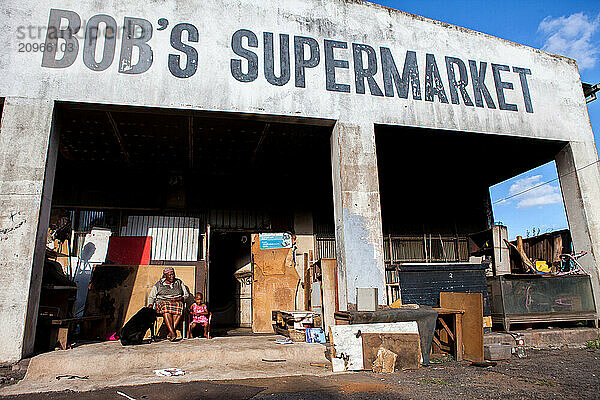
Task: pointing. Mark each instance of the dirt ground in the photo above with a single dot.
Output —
(544, 374)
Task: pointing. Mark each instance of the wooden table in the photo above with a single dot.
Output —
(455, 335)
(60, 327)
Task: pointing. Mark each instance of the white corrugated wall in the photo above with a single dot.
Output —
(173, 238)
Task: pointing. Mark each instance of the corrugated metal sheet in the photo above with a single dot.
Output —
(410, 248)
(90, 219)
(422, 283)
(429, 248)
(232, 219)
(173, 238)
(325, 247)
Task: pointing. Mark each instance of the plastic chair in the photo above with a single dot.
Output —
(208, 327)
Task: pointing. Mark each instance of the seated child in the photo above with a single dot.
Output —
(199, 315)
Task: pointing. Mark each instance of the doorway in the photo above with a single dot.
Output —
(229, 295)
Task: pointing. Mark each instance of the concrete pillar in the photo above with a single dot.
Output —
(358, 234)
(27, 162)
(579, 176)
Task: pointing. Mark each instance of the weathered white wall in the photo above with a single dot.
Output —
(559, 110)
(27, 160)
(556, 94)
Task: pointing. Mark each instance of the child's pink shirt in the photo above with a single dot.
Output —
(199, 319)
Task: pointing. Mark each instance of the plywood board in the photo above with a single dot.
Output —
(121, 291)
(346, 342)
(95, 246)
(472, 321)
(274, 284)
(407, 347)
(330, 295)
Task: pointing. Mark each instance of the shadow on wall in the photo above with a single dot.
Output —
(83, 273)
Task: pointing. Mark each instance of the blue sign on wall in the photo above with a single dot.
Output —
(275, 241)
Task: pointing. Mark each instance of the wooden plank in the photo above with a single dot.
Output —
(385, 361)
(78, 319)
(407, 347)
(274, 284)
(63, 337)
(346, 342)
(307, 282)
(330, 295)
(458, 344)
(472, 321)
(446, 311)
(448, 330)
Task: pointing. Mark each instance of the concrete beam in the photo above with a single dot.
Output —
(28, 151)
(357, 209)
(579, 175)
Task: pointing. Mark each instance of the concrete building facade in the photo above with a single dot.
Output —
(349, 65)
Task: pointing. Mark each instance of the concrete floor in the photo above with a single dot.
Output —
(229, 358)
(110, 364)
(545, 374)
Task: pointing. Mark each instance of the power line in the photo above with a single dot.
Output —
(545, 183)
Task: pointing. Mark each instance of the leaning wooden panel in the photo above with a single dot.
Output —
(330, 296)
(121, 291)
(472, 321)
(274, 284)
(407, 347)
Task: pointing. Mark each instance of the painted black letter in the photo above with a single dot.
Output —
(523, 72)
(284, 59)
(360, 72)
(91, 40)
(461, 84)
(433, 80)
(191, 65)
(129, 41)
(500, 86)
(410, 75)
(236, 64)
(479, 87)
(300, 62)
(331, 64)
(54, 32)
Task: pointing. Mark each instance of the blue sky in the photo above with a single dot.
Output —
(566, 27)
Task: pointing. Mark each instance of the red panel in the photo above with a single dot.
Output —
(129, 250)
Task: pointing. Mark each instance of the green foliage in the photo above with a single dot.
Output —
(436, 381)
(593, 344)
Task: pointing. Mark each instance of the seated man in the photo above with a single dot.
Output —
(167, 297)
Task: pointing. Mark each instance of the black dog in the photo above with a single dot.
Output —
(134, 330)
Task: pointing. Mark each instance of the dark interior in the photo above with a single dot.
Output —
(139, 158)
(438, 182)
(229, 251)
(241, 174)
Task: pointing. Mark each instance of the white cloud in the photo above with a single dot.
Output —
(540, 196)
(572, 37)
